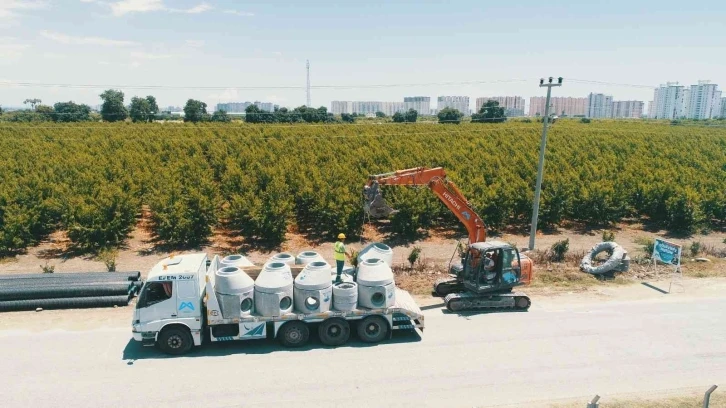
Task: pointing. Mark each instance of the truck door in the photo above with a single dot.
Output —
(157, 302)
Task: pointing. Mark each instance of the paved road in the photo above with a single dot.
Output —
(554, 351)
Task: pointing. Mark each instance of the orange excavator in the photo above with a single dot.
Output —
(488, 272)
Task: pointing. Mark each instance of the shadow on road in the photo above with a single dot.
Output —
(654, 288)
(135, 351)
(469, 313)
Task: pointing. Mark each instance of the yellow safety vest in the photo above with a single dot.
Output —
(339, 251)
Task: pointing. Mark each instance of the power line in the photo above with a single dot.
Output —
(93, 86)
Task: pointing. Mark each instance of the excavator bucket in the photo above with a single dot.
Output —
(374, 204)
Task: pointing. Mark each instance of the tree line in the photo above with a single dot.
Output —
(146, 109)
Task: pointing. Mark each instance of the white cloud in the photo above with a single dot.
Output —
(195, 10)
(227, 95)
(195, 43)
(136, 6)
(239, 13)
(123, 7)
(149, 56)
(70, 40)
(10, 49)
(9, 8)
(104, 63)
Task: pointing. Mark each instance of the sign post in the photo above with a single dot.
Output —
(669, 254)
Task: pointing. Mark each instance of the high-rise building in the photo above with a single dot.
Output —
(389, 108)
(669, 102)
(722, 115)
(366, 107)
(599, 106)
(559, 105)
(704, 101)
(627, 109)
(233, 107)
(421, 104)
(340, 107)
(460, 103)
(239, 107)
(513, 105)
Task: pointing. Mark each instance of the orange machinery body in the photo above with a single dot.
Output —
(451, 196)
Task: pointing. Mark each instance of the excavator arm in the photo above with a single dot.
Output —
(435, 179)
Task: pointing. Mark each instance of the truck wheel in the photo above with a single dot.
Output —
(373, 329)
(294, 334)
(334, 331)
(175, 340)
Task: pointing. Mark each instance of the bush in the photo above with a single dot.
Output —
(413, 256)
(608, 236)
(585, 120)
(696, 248)
(108, 257)
(47, 268)
(647, 244)
(559, 250)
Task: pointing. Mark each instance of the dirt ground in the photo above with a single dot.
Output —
(437, 248)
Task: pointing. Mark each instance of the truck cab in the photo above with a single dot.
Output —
(169, 307)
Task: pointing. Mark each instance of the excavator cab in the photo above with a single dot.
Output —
(491, 267)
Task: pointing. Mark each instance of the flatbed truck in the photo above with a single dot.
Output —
(178, 308)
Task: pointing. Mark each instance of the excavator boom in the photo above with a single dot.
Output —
(435, 179)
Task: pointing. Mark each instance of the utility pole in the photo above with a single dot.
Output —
(540, 168)
(307, 66)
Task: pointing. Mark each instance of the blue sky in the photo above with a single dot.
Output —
(228, 44)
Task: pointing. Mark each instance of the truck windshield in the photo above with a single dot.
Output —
(154, 292)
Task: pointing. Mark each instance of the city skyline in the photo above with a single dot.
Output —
(215, 47)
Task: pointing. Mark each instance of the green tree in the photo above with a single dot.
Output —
(195, 111)
(450, 115)
(112, 108)
(143, 109)
(398, 117)
(380, 114)
(347, 117)
(490, 112)
(221, 116)
(33, 102)
(70, 112)
(411, 115)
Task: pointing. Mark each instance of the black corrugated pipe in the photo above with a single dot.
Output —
(66, 303)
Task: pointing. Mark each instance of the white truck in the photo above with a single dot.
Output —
(178, 308)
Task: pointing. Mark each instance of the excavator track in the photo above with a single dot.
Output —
(460, 302)
(446, 286)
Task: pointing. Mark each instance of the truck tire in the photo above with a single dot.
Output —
(334, 331)
(175, 340)
(616, 256)
(373, 329)
(294, 334)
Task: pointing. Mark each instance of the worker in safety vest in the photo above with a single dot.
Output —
(340, 255)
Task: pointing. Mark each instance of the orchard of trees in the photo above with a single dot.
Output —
(259, 182)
